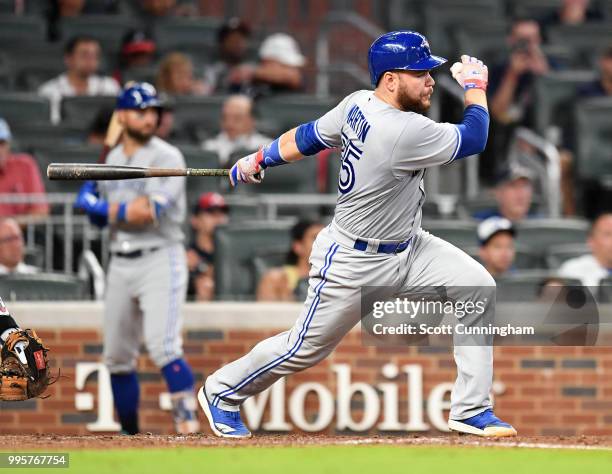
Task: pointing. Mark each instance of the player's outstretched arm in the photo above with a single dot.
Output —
(305, 140)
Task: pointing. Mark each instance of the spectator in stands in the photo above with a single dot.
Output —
(82, 59)
(12, 248)
(590, 269)
(99, 125)
(232, 72)
(511, 90)
(165, 126)
(286, 283)
(603, 85)
(154, 9)
(19, 174)
(210, 212)
(175, 76)
(496, 237)
(60, 9)
(237, 130)
(514, 196)
(280, 65)
(137, 50)
(511, 83)
(572, 12)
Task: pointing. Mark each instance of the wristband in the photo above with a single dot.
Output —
(475, 84)
(122, 212)
(270, 155)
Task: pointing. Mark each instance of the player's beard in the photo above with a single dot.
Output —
(408, 103)
(138, 136)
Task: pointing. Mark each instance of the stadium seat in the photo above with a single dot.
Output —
(533, 8)
(15, 29)
(605, 291)
(586, 39)
(23, 107)
(109, 30)
(234, 269)
(486, 41)
(554, 95)
(290, 110)
(557, 254)
(459, 233)
(403, 15)
(194, 112)
(7, 7)
(299, 177)
(33, 136)
(6, 74)
(441, 17)
(195, 157)
(42, 287)
(525, 259)
(267, 260)
(594, 138)
(82, 110)
(539, 234)
(140, 74)
(524, 286)
(35, 63)
(174, 33)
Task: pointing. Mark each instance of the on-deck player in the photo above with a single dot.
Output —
(147, 276)
(376, 236)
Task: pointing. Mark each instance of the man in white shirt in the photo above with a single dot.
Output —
(237, 130)
(12, 249)
(82, 59)
(590, 269)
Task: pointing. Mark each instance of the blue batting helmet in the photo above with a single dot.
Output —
(141, 95)
(406, 50)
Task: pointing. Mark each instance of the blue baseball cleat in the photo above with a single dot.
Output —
(484, 424)
(223, 423)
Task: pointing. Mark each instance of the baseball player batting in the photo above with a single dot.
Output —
(375, 237)
(147, 275)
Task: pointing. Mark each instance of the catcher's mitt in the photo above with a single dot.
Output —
(24, 368)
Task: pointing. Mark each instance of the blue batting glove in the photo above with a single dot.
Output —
(89, 201)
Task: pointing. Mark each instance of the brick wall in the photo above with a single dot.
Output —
(547, 390)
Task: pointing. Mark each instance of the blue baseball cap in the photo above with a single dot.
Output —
(5, 131)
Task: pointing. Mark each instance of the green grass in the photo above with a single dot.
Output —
(336, 459)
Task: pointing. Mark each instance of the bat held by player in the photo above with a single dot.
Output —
(99, 172)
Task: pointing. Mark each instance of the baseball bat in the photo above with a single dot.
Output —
(97, 172)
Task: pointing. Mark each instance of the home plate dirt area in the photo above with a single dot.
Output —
(59, 442)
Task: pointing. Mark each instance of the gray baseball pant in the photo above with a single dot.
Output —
(332, 308)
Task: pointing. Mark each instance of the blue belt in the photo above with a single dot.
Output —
(383, 248)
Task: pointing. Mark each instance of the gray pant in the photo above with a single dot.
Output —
(144, 297)
(332, 308)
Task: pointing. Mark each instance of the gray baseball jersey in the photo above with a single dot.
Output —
(384, 156)
(168, 228)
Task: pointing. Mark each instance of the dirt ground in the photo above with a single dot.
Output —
(61, 442)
